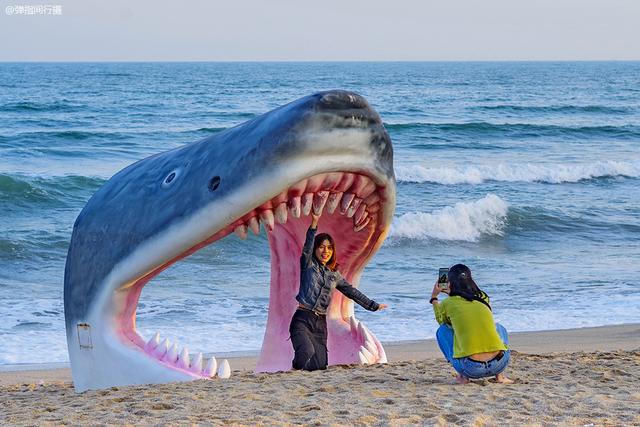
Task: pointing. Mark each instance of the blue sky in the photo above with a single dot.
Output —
(287, 30)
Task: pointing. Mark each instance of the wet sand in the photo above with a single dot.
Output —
(581, 377)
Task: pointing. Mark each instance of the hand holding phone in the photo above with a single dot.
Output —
(443, 278)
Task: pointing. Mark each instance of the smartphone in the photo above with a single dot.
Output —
(443, 278)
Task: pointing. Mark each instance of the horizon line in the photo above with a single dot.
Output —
(318, 61)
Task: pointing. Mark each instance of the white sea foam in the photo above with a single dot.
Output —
(466, 221)
(518, 172)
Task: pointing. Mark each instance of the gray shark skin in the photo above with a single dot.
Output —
(164, 207)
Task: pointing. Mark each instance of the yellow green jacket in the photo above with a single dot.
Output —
(474, 330)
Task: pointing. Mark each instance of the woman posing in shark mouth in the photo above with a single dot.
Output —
(318, 277)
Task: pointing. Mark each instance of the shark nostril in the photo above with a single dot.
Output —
(169, 178)
(214, 183)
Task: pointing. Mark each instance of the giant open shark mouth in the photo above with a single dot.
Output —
(327, 153)
(349, 203)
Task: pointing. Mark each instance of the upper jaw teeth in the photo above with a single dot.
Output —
(169, 354)
(281, 213)
(295, 206)
(319, 200)
(266, 216)
(353, 195)
(333, 201)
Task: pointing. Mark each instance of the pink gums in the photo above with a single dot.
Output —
(353, 249)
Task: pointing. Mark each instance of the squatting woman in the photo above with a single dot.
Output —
(475, 346)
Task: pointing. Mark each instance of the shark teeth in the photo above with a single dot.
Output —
(362, 225)
(307, 203)
(354, 324)
(295, 206)
(370, 350)
(360, 214)
(241, 231)
(347, 198)
(333, 202)
(368, 357)
(211, 369)
(254, 225)
(353, 195)
(319, 200)
(153, 343)
(169, 354)
(183, 359)
(355, 204)
(266, 217)
(196, 364)
(162, 349)
(224, 370)
(281, 213)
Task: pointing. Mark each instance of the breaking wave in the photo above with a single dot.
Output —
(512, 172)
(465, 221)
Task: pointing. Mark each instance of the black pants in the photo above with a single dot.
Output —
(308, 333)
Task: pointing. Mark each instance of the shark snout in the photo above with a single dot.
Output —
(348, 106)
(342, 100)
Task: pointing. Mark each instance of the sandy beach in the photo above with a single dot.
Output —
(576, 377)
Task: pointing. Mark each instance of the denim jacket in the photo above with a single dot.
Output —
(317, 282)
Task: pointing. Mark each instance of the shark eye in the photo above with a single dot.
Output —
(170, 178)
(214, 183)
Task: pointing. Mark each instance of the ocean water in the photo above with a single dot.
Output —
(527, 172)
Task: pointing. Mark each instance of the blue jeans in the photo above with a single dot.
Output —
(468, 367)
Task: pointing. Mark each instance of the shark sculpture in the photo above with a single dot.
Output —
(327, 152)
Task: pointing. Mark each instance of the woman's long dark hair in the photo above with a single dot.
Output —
(461, 284)
(332, 264)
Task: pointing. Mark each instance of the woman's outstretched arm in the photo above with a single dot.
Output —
(350, 292)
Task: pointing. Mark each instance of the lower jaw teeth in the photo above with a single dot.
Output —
(368, 352)
(168, 353)
(365, 356)
(196, 364)
(224, 371)
(211, 369)
(183, 359)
